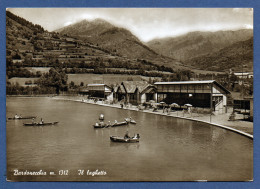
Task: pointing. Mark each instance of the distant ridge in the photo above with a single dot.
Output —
(232, 57)
(195, 44)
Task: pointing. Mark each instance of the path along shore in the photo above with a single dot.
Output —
(239, 125)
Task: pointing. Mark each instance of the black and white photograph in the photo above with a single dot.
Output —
(129, 94)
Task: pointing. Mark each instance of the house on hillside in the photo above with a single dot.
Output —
(244, 75)
(202, 94)
(17, 61)
(134, 92)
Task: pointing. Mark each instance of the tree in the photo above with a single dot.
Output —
(54, 78)
(17, 56)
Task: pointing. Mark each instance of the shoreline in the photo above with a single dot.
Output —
(203, 118)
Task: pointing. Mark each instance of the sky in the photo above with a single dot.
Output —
(145, 23)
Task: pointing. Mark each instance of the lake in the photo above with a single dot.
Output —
(170, 149)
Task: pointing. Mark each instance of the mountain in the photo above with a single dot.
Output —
(86, 29)
(115, 39)
(231, 57)
(196, 44)
(29, 45)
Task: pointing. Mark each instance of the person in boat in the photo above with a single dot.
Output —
(102, 123)
(16, 116)
(126, 135)
(96, 124)
(41, 122)
(33, 121)
(115, 121)
(109, 123)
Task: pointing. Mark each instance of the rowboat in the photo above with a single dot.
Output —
(101, 126)
(123, 139)
(40, 124)
(119, 124)
(28, 117)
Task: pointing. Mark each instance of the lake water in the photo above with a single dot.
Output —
(170, 149)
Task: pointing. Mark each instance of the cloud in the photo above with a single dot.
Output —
(248, 26)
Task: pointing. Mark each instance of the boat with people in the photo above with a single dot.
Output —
(119, 123)
(125, 139)
(101, 125)
(101, 117)
(40, 124)
(26, 117)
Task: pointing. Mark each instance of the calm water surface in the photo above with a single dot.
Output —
(170, 149)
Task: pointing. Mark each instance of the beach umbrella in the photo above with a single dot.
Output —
(156, 104)
(163, 104)
(188, 105)
(174, 105)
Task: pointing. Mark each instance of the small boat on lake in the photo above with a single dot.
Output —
(124, 139)
(119, 124)
(26, 117)
(101, 126)
(40, 124)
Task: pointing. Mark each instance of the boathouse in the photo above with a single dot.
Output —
(100, 91)
(202, 94)
(135, 92)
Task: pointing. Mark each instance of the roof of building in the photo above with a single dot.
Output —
(193, 82)
(184, 82)
(120, 87)
(242, 73)
(239, 96)
(149, 89)
(115, 88)
(131, 86)
(98, 87)
(96, 84)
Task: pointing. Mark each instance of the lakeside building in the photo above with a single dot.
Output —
(203, 94)
(244, 75)
(98, 91)
(244, 105)
(134, 92)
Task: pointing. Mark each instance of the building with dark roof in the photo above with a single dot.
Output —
(99, 91)
(204, 94)
(134, 92)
